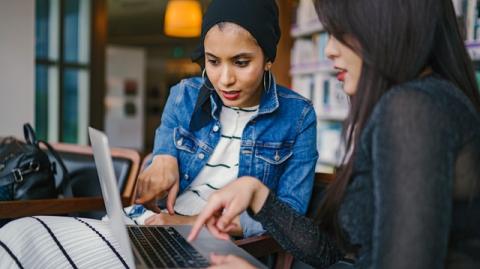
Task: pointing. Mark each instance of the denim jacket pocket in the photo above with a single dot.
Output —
(184, 140)
(187, 145)
(270, 160)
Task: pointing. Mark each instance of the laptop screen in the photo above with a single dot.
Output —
(111, 197)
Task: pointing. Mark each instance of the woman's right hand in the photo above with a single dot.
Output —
(159, 179)
(227, 203)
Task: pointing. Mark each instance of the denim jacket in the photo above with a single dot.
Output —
(278, 145)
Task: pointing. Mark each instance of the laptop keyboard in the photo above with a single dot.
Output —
(162, 247)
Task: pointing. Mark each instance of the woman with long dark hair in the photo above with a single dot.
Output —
(234, 120)
(407, 194)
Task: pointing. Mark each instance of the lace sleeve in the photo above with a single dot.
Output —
(297, 233)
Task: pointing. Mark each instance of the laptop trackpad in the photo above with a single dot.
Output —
(206, 244)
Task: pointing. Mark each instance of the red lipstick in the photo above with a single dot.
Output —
(231, 95)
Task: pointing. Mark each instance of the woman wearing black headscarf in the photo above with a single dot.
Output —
(233, 121)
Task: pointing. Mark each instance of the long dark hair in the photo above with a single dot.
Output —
(397, 40)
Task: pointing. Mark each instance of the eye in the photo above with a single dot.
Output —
(213, 62)
(242, 63)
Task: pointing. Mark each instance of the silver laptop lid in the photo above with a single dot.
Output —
(108, 183)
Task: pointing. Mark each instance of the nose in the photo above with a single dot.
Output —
(227, 77)
(331, 50)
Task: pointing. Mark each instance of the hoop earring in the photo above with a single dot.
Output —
(205, 80)
(269, 73)
(264, 86)
(270, 77)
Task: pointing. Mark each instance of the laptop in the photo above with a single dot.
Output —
(153, 246)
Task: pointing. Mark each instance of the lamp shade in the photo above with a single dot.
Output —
(183, 18)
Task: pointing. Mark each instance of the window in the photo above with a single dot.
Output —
(62, 69)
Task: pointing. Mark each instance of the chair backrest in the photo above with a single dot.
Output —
(321, 182)
(85, 184)
(83, 173)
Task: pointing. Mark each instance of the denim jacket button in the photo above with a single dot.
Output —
(216, 128)
(201, 156)
(185, 176)
(180, 142)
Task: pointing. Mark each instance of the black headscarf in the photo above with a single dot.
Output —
(258, 17)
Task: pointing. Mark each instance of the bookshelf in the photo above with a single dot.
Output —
(473, 48)
(308, 29)
(322, 66)
(313, 77)
(313, 74)
(468, 13)
(468, 17)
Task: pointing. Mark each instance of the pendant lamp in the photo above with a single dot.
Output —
(183, 18)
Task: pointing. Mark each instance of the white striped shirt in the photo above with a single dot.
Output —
(222, 167)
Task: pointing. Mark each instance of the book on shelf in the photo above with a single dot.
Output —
(303, 52)
(320, 41)
(328, 142)
(326, 93)
(468, 17)
(331, 107)
(306, 16)
(303, 85)
(329, 99)
(468, 13)
(308, 51)
(312, 77)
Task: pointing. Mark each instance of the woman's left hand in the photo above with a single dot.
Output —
(167, 219)
(228, 262)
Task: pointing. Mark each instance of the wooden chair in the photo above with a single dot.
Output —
(85, 186)
(261, 246)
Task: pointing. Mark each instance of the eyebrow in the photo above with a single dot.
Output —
(240, 55)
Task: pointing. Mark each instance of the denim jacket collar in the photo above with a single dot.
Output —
(269, 99)
(209, 103)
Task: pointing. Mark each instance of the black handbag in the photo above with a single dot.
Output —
(26, 171)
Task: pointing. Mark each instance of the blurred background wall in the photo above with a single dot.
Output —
(16, 65)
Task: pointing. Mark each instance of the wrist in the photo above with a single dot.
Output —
(260, 194)
(162, 158)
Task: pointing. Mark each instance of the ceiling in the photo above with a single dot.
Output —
(140, 23)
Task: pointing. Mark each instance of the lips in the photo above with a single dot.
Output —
(231, 95)
(341, 74)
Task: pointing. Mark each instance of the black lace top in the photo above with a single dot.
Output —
(414, 199)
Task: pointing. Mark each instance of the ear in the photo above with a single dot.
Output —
(268, 65)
